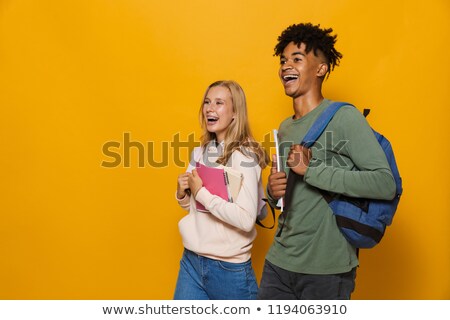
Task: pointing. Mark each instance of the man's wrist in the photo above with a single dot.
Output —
(270, 196)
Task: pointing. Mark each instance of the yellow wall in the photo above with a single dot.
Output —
(75, 75)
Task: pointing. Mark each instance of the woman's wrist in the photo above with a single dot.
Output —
(181, 195)
(196, 191)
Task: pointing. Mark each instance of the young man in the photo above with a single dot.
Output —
(311, 259)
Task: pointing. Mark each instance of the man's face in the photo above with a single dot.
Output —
(299, 70)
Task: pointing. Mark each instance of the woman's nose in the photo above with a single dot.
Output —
(210, 107)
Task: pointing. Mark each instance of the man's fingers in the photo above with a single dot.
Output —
(278, 181)
(274, 163)
(278, 175)
(278, 191)
(278, 187)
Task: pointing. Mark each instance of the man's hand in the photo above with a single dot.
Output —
(298, 159)
(277, 181)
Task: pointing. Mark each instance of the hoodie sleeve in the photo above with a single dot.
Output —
(195, 156)
(241, 213)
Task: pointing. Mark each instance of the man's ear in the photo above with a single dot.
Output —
(322, 70)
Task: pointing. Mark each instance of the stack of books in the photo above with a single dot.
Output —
(220, 181)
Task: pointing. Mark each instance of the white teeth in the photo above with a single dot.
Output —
(290, 77)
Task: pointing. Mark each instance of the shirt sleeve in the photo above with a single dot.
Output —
(241, 213)
(370, 178)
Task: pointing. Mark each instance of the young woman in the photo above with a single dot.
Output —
(216, 261)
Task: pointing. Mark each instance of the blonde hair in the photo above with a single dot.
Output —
(238, 135)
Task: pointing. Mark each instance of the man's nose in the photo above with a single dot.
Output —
(287, 65)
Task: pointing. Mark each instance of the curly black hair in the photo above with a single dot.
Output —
(314, 38)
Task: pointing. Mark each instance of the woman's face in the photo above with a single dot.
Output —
(218, 111)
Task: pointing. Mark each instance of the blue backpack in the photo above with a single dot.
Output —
(362, 221)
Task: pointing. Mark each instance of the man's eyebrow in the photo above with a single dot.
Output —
(293, 54)
(298, 53)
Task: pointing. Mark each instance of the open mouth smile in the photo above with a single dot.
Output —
(288, 78)
(211, 119)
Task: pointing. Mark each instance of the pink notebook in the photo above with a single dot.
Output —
(214, 180)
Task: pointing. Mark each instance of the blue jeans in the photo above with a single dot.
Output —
(201, 278)
(280, 284)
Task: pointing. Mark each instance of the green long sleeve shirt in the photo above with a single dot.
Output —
(346, 159)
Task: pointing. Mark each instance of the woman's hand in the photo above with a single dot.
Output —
(182, 185)
(195, 182)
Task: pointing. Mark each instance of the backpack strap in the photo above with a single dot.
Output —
(321, 123)
(318, 128)
(259, 223)
(309, 139)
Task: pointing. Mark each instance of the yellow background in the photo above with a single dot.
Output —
(77, 74)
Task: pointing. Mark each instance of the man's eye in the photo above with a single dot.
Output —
(297, 59)
(282, 62)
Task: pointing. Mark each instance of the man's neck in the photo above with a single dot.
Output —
(305, 104)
